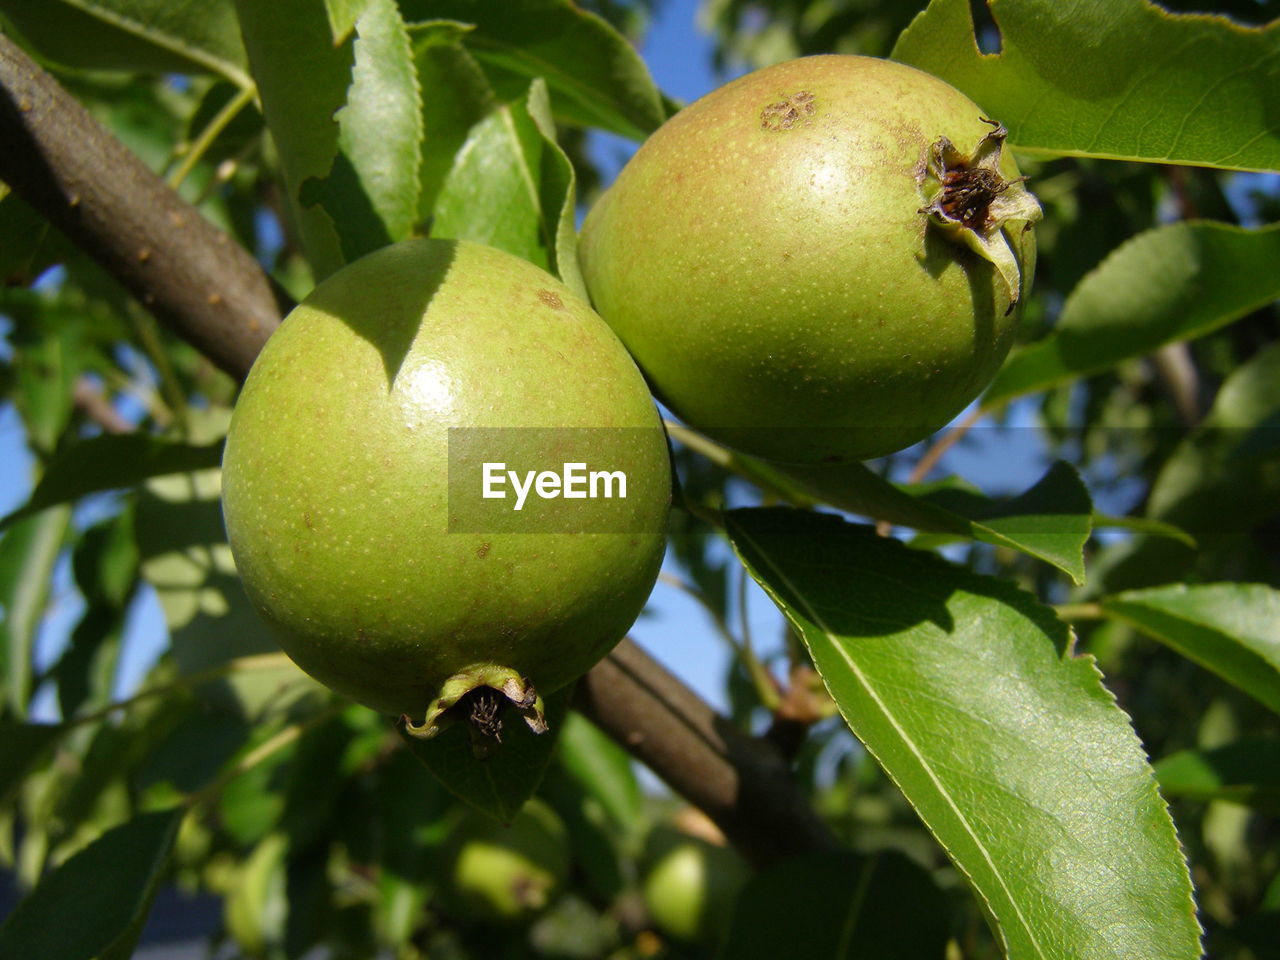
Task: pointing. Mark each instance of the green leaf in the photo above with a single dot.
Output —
(500, 784)
(1246, 772)
(105, 562)
(840, 906)
(1123, 79)
(49, 353)
(156, 36)
(346, 122)
(455, 97)
(28, 553)
(21, 747)
(596, 77)
(1176, 282)
(28, 244)
(1154, 528)
(379, 139)
(1232, 629)
(1007, 745)
(557, 194)
(603, 769)
(1211, 486)
(343, 15)
(186, 559)
(95, 904)
(108, 462)
(1051, 521)
(1215, 480)
(512, 187)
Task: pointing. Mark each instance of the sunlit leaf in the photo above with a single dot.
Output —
(508, 187)
(595, 75)
(1122, 79)
(1232, 629)
(1008, 746)
(345, 120)
(1171, 283)
(602, 768)
(455, 97)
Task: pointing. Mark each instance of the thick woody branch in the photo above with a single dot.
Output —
(741, 782)
(190, 274)
(211, 293)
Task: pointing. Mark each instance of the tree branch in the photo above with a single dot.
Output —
(739, 781)
(190, 274)
(211, 293)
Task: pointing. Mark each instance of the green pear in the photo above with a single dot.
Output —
(820, 261)
(352, 478)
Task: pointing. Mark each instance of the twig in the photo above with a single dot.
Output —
(202, 143)
(186, 271)
(91, 401)
(929, 460)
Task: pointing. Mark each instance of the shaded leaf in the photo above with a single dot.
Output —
(21, 747)
(1232, 629)
(94, 904)
(596, 77)
(1124, 79)
(105, 562)
(28, 244)
(136, 35)
(111, 461)
(1247, 771)
(1176, 282)
(49, 353)
(840, 906)
(1211, 486)
(1008, 746)
(500, 784)
(1051, 521)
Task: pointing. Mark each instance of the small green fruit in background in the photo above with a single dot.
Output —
(820, 261)
(336, 487)
(508, 874)
(690, 886)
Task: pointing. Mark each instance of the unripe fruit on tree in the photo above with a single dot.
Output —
(691, 885)
(507, 873)
(336, 487)
(818, 262)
